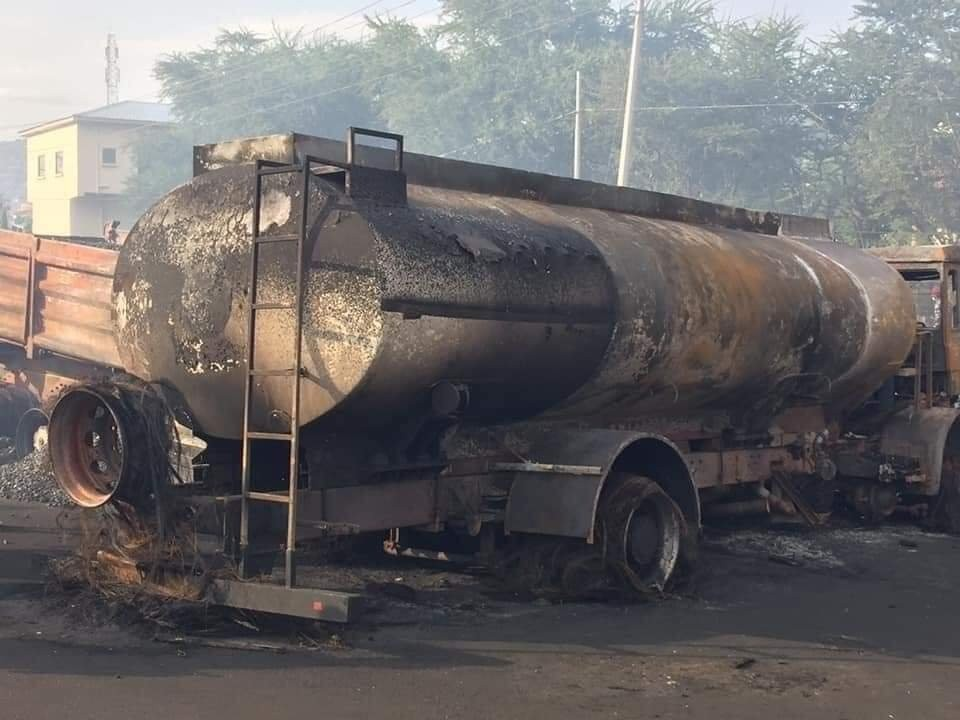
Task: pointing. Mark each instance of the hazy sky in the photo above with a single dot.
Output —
(51, 51)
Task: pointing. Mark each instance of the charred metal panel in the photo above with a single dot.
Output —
(537, 308)
(565, 504)
(735, 467)
(890, 315)
(801, 226)
(553, 504)
(801, 419)
(710, 318)
(430, 171)
(381, 506)
(397, 298)
(565, 309)
(305, 602)
(180, 296)
(921, 435)
(384, 186)
(234, 152)
(897, 254)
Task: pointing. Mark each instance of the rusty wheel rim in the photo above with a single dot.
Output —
(87, 447)
(645, 537)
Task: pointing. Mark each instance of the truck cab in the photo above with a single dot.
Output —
(933, 274)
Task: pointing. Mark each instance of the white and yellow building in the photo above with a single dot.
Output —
(78, 167)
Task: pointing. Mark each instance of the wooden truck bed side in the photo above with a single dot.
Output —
(56, 296)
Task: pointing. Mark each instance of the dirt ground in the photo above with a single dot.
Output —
(792, 624)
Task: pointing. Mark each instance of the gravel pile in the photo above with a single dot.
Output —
(31, 480)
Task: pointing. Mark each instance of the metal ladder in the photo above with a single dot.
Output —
(385, 185)
(266, 168)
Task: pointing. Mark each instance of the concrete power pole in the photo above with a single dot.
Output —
(577, 130)
(629, 109)
(112, 74)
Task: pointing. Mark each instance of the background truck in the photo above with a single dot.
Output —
(933, 274)
(526, 369)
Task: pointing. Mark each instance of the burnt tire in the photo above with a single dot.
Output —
(946, 515)
(643, 530)
(583, 576)
(32, 421)
(14, 402)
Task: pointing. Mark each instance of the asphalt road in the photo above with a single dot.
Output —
(841, 624)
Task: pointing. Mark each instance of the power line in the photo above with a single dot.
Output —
(239, 80)
(506, 5)
(265, 63)
(417, 67)
(503, 5)
(476, 141)
(716, 106)
(244, 100)
(245, 71)
(212, 74)
(390, 10)
(421, 66)
(747, 106)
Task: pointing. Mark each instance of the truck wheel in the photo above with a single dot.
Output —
(14, 402)
(31, 432)
(642, 532)
(946, 515)
(88, 444)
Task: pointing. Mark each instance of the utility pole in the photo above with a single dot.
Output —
(112, 74)
(577, 129)
(626, 140)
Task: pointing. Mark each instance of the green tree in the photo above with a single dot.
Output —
(243, 85)
(891, 166)
(863, 127)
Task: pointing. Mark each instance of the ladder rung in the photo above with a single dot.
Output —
(289, 372)
(279, 170)
(273, 306)
(284, 237)
(283, 499)
(269, 436)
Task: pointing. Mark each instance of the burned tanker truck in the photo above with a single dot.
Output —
(471, 360)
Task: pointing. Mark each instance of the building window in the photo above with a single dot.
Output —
(58, 162)
(41, 166)
(108, 156)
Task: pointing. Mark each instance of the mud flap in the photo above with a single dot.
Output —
(566, 504)
(922, 435)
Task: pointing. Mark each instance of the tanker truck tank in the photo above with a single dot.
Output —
(502, 361)
(541, 310)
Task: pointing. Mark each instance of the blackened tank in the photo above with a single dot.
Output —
(538, 309)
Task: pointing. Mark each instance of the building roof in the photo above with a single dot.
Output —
(127, 111)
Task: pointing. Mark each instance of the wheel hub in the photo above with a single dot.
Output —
(87, 443)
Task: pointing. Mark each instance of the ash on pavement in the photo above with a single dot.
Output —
(861, 624)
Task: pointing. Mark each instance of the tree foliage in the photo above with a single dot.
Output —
(864, 127)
